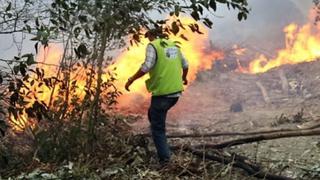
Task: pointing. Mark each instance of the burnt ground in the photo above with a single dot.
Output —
(205, 107)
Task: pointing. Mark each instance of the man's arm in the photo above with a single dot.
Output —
(145, 67)
(185, 67)
(136, 76)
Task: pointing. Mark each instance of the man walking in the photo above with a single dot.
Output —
(168, 71)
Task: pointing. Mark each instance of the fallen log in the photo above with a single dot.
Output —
(217, 134)
(237, 161)
(261, 137)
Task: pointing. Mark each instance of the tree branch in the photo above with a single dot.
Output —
(261, 137)
(237, 161)
(12, 61)
(217, 134)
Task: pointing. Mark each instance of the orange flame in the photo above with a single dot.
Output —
(21, 123)
(238, 50)
(50, 55)
(302, 44)
(195, 50)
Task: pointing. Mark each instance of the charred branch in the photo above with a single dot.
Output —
(262, 137)
(237, 161)
(17, 61)
(218, 134)
(263, 92)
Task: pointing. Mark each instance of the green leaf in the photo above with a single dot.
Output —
(174, 28)
(32, 83)
(9, 15)
(195, 15)
(207, 22)
(213, 5)
(77, 53)
(35, 38)
(245, 16)
(16, 69)
(30, 60)
(28, 28)
(36, 48)
(82, 49)
(22, 69)
(8, 7)
(54, 22)
(37, 22)
(222, 1)
(184, 37)
(200, 9)
(87, 31)
(240, 16)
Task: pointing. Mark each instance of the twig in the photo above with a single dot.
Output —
(239, 162)
(262, 137)
(11, 61)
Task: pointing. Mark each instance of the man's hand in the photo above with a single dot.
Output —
(185, 81)
(128, 83)
(184, 76)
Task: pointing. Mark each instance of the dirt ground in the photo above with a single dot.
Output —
(205, 107)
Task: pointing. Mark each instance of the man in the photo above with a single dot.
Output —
(168, 71)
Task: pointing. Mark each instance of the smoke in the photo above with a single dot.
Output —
(303, 6)
(264, 26)
(207, 102)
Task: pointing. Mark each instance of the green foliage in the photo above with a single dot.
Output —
(197, 10)
(310, 172)
(59, 142)
(69, 171)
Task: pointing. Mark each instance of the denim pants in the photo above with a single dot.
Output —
(157, 114)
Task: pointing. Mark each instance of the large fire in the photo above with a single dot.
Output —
(196, 50)
(51, 57)
(302, 45)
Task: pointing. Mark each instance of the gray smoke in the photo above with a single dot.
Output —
(264, 26)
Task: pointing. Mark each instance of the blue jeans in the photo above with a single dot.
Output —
(157, 114)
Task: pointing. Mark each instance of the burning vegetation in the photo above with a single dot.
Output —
(68, 103)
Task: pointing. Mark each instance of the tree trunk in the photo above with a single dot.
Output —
(95, 104)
